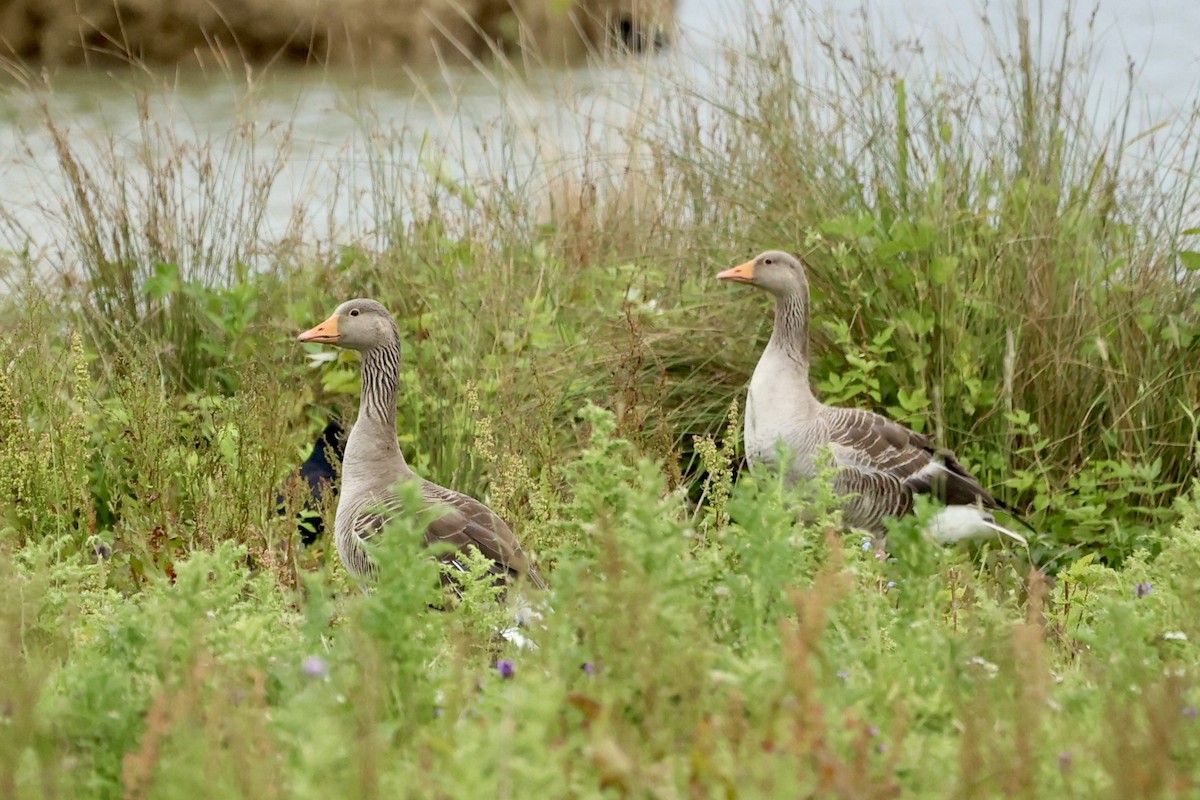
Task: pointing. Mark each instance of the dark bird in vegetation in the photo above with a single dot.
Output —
(373, 464)
(636, 36)
(319, 474)
(882, 466)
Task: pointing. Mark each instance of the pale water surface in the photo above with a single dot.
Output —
(346, 148)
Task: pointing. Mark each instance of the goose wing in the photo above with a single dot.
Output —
(469, 522)
(884, 454)
(465, 522)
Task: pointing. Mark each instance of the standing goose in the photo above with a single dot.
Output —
(373, 464)
(881, 465)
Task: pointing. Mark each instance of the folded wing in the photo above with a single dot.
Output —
(463, 523)
(887, 465)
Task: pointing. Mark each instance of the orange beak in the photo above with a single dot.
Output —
(742, 273)
(325, 333)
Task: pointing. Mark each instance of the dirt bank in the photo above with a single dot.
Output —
(209, 32)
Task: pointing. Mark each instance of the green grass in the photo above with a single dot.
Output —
(989, 264)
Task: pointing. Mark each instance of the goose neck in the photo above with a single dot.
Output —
(380, 376)
(790, 335)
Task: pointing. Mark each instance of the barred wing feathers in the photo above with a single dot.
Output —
(465, 522)
(887, 464)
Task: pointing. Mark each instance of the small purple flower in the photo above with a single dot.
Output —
(881, 747)
(506, 668)
(872, 731)
(1065, 760)
(314, 667)
(844, 674)
(1143, 589)
(1189, 712)
(588, 667)
(102, 550)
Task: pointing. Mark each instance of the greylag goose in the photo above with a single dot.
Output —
(881, 466)
(373, 464)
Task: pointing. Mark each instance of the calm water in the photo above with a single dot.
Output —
(354, 143)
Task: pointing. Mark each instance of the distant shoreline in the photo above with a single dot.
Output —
(353, 32)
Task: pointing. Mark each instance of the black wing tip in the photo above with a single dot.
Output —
(1012, 512)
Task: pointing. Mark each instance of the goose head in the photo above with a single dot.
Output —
(356, 325)
(777, 272)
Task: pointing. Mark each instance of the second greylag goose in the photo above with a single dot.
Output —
(373, 464)
(881, 465)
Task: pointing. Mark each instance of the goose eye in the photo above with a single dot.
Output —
(768, 261)
(354, 312)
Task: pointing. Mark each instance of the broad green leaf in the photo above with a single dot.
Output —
(1190, 259)
(942, 269)
(164, 282)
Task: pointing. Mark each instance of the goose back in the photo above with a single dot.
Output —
(883, 466)
(463, 522)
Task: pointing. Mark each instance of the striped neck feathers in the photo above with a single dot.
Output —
(790, 335)
(380, 377)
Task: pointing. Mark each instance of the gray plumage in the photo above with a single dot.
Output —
(881, 465)
(373, 464)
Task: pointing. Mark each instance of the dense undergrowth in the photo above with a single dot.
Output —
(989, 263)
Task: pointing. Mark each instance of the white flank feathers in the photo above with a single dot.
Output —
(526, 616)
